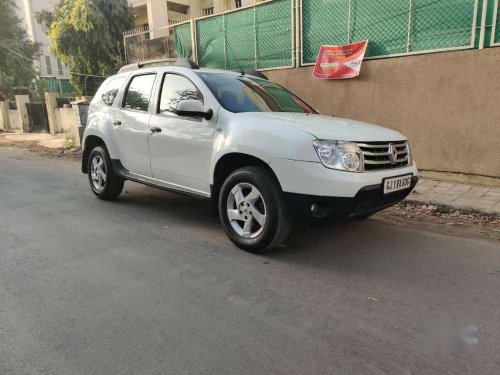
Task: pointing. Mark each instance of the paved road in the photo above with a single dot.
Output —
(149, 284)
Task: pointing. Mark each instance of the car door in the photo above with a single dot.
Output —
(130, 124)
(181, 150)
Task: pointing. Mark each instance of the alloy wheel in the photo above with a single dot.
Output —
(246, 210)
(98, 172)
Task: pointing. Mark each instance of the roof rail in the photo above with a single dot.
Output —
(255, 73)
(182, 62)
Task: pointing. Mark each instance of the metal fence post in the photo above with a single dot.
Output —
(194, 45)
(482, 33)
(493, 41)
(85, 85)
(408, 36)
(295, 4)
(167, 42)
(125, 48)
(349, 22)
(255, 36)
(297, 13)
(224, 38)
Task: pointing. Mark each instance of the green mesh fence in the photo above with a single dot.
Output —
(262, 36)
(210, 37)
(274, 34)
(496, 35)
(444, 24)
(182, 40)
(240, 39)
(67, 87)
(390, 26)
(323, 23)
(383, 23)
(257, 37)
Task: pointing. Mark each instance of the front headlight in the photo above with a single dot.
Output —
(408, 150)
(344, 156)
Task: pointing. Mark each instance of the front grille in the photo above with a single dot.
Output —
(377, 155)
(375, 200)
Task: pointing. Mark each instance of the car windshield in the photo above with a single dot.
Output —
(250, 94)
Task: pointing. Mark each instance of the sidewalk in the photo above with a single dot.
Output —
(480, 199)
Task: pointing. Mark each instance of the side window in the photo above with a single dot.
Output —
(111, 90)
(176, 88)
(139, 92)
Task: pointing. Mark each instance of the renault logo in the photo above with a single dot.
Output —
(393, 153)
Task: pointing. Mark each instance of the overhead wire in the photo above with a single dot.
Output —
(45, 66)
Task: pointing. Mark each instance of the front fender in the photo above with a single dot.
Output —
(265, 141)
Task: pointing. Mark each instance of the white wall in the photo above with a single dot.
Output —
(57, 116)
(66, 122)
(4, 115)
(14, 120)
(65, 119)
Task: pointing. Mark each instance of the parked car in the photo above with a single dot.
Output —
(259, 152)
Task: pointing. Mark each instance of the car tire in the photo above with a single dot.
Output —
(105, 184)
(252, 210)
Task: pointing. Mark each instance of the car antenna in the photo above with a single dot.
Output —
(231, 48)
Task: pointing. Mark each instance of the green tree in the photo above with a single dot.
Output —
(17, 53)
(38, 89)
(87, 36)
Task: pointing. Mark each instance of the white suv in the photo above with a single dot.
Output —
(260, 153)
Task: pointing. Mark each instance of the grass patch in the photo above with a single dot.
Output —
(443, 210)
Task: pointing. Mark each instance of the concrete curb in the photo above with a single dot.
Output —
(462, 209)
(479, 199)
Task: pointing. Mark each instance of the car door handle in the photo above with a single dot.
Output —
(117, 122)
(155, 129)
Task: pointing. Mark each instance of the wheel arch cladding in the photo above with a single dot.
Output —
(230, 162)
(91, 142)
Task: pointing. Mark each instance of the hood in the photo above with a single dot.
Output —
(328, 127)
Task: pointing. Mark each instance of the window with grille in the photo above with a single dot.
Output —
(208, 11)
(60, 67)
(48, 65)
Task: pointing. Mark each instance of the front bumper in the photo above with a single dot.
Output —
(368, 200)
(313, 190)
(312, 178)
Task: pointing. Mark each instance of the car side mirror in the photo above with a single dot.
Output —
(193, 108)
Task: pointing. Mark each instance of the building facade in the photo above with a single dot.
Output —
(155, 14)
(48, 65)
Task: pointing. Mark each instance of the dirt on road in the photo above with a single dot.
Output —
(36, 147)
(442, 220)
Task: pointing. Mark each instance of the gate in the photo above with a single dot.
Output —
(38, 119)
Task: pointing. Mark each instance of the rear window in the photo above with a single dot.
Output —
(111, 90)
(139, 92)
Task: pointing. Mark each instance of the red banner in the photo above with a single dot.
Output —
(338, 62)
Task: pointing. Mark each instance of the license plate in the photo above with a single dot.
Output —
(394, 184)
